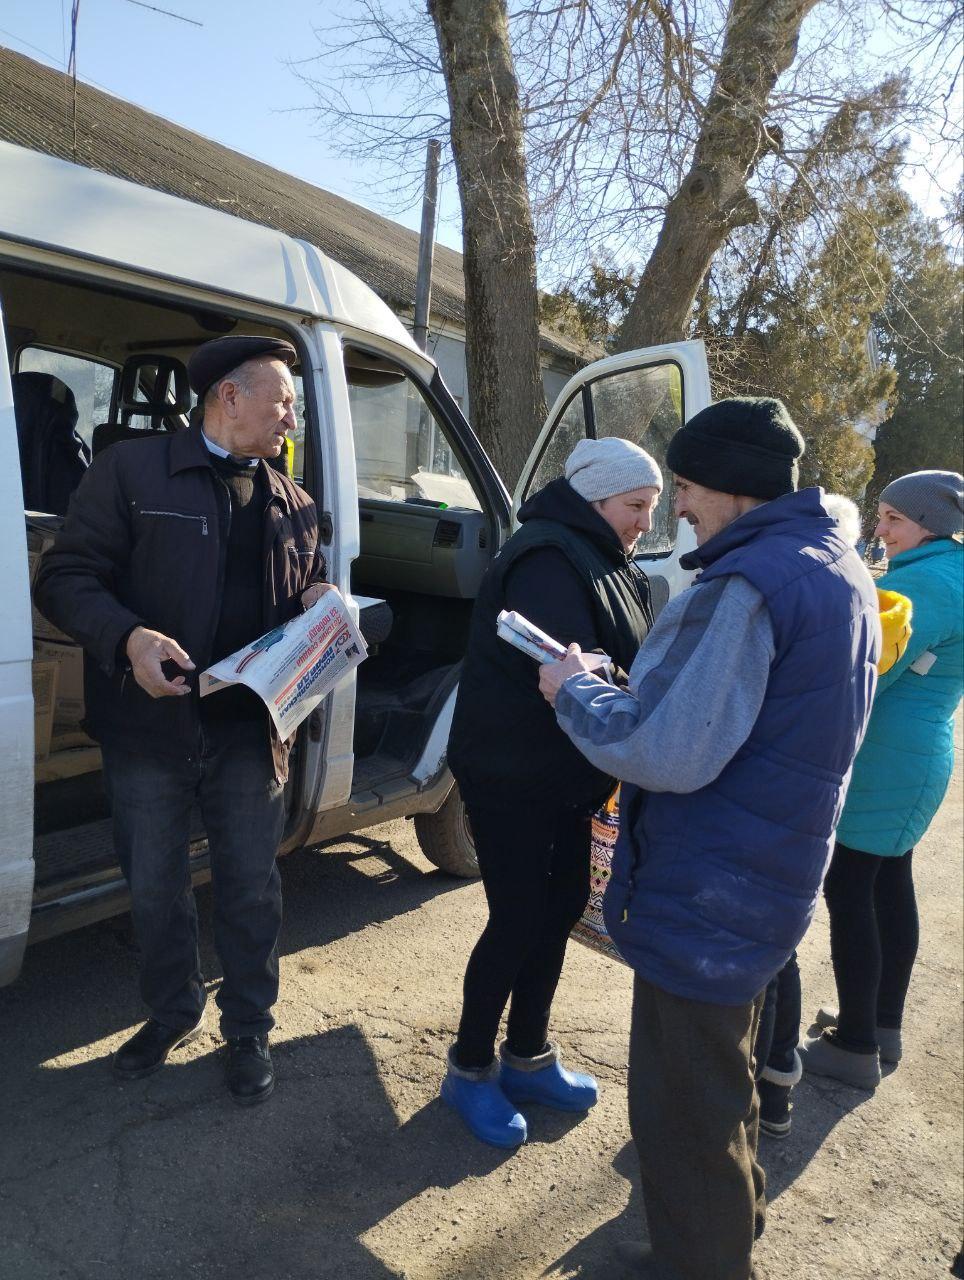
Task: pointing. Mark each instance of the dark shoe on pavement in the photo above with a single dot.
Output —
(146, 1051)
(775, 1087)
(774, 1109)
(250, 1072)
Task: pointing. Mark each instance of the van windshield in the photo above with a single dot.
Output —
(401, 450)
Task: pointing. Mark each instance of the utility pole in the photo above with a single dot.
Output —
(426, 244)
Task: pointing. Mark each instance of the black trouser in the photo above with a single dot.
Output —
(874, 932)
(535, 870)
(232, 780)
(779, 1032)
(694, 1116)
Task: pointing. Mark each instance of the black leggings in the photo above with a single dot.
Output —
(874, 933)
(535, 869)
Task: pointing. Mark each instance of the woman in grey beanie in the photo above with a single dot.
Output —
(528, 793)
(899, 778)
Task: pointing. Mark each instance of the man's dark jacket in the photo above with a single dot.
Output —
(142, 545)
(505, 746)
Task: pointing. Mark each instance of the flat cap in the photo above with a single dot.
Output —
(212, 360)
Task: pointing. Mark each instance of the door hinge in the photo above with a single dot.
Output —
(326, 527)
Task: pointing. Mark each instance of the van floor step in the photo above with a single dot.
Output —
(372, 771)
(83, 852)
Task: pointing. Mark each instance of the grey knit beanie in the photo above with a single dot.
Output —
(933, 499)
(599, 469)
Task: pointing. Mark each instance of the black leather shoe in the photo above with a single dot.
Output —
(250, 1073)
(146, 1051)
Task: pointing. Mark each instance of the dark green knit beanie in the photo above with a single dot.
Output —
(745, 445)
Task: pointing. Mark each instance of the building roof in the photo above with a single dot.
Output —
(128, 142)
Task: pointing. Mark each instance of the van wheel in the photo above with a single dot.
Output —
(446, 840)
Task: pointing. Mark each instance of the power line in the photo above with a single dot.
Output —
(167, 13)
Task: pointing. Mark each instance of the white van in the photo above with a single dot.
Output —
(108, 286)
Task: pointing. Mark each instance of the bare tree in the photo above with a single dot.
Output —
(499, 259)
(655, 133)
(713, 199)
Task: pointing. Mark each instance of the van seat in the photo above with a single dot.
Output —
(53, 458)
(151, 386)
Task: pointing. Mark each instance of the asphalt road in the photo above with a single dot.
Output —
(355, 1170)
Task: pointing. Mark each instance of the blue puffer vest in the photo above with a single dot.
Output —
(711, 891)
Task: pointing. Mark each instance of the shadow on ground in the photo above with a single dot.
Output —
(182, 1182)
(327, 895)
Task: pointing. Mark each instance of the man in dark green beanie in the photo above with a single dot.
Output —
(734, 742)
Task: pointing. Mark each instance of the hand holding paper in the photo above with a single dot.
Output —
(554, 674)
(293, 667)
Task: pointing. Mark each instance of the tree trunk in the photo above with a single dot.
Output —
(507, 403)
(760, 44)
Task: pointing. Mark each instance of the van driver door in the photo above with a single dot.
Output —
(643, 396)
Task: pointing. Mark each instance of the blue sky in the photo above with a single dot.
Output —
(227, 79)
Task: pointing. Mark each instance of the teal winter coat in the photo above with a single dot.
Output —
(904, 765)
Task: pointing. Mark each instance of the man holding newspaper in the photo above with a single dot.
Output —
(734, 741)
(178, 550)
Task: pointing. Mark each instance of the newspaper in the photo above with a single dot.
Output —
(528, 638)
(293, 667)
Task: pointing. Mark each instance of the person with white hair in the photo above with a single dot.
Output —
(529, 794)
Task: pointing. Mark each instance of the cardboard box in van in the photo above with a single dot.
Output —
(41, 530)
(44, 699)
(69, 705)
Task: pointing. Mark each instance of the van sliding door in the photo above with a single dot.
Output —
(16, 698)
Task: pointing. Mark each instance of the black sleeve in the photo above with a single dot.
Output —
(76, 581)
(545, 588)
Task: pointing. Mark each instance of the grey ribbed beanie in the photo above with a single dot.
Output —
(599, 469)
(933, 499)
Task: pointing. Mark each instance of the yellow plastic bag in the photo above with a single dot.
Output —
(896, 612)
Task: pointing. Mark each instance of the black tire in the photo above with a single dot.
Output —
(445, 838)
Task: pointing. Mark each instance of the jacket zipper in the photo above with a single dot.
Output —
(179, 515)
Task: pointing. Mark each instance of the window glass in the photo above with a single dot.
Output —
(401, 453)
(645, 406)
(297, 437)
(91, 382)
(569, 430)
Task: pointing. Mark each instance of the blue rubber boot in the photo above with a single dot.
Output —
(544, 1079)
(479, 1100)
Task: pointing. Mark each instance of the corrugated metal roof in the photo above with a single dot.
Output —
(128, 142)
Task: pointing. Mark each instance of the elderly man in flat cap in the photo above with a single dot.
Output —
(177, 550)
(734, 741)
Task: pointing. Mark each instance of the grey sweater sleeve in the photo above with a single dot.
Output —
(695, 691)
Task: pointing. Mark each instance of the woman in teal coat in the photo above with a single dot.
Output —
(899, 778)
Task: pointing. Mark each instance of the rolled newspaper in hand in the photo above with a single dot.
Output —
(527, 637)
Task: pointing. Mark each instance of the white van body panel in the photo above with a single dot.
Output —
(129, 226)
(331, 757)
(16, 700)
